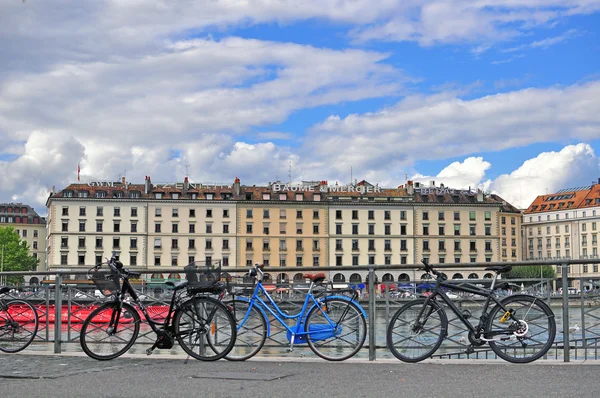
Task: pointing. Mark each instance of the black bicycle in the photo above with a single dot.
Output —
(519, 328)
(18, 323)
(202, 325)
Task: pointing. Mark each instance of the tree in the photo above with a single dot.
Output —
(14, 254)
(532, 272)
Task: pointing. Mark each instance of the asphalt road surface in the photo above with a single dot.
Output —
(74, 375)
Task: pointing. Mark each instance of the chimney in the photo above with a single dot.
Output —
(236, 187)
(479, 195)
(442, 185)
(433, 183)
(186, 185)
(123, 180)
(147, 185)
(409, 187)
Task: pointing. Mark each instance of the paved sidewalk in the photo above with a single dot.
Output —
(75, 375)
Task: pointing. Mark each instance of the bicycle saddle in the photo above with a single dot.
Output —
(316, 278)
(500, 268)
(4, 290)
(177, 285)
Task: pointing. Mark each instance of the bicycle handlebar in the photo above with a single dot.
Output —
(429, 268)
(114, 265)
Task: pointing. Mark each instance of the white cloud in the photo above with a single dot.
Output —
(571, 167)
(546, 43)
(130, 115)
(460, 175)
(460, 21)
(442, 126)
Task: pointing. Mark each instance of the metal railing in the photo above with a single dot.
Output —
(62, 306)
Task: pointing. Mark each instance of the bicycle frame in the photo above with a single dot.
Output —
(487, 293)
(279, 315)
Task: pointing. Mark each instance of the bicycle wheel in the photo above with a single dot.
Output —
(337, 329)
(18, 325)
(205, 328)
(105, 337)
(412, 338)
(529, 333)
(251, 334)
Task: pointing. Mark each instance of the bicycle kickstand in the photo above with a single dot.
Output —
(291, 347)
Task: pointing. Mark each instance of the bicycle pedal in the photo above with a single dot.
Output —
(470, 350)
(149, 351)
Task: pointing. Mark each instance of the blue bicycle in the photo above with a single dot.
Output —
(333, 326)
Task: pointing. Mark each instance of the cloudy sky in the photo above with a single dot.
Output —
(499, 94)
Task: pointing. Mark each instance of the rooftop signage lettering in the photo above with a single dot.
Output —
(191, 185)
(324, 188)
(444, 191)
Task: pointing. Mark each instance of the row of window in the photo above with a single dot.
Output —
(133, 243)
(25, 233)
(557, 216)
(19, 220)
(355, 244)
(133, 260)
(585, 268)
(133, 227)
(134, 212)
(472, 215)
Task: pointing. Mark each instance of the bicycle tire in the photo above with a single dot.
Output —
(540, 330)
(204, 341)
(18, 325)
(402, 339)
(251, 335)
(349, 333)
(97, 338)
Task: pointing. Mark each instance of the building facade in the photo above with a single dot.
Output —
(30, 226)
(163, 227)
(565, 225)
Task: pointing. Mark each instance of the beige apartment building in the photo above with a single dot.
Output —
(286, 229)
(160, 227)
(565, 225)
(163, 227)
(31, 228)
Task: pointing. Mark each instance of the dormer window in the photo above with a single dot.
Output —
(210, 196)
(299, 197)
(83, 194)
(158, 195)
(68, 194)
(282, 196)
(175, 195)
(194, 195)
(266, 196)
(317, 197)
(118, 194)
(134, 194)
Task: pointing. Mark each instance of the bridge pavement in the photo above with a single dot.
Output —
(75, 375)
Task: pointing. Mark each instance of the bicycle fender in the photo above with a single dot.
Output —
(262, 311)
(344, 298)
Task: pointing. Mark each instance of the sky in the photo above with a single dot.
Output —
(502, 95)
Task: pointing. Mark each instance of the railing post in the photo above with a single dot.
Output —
(372, 297)
(565, 287)
(57, 314)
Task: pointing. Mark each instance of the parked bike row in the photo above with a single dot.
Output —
(210, 321)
